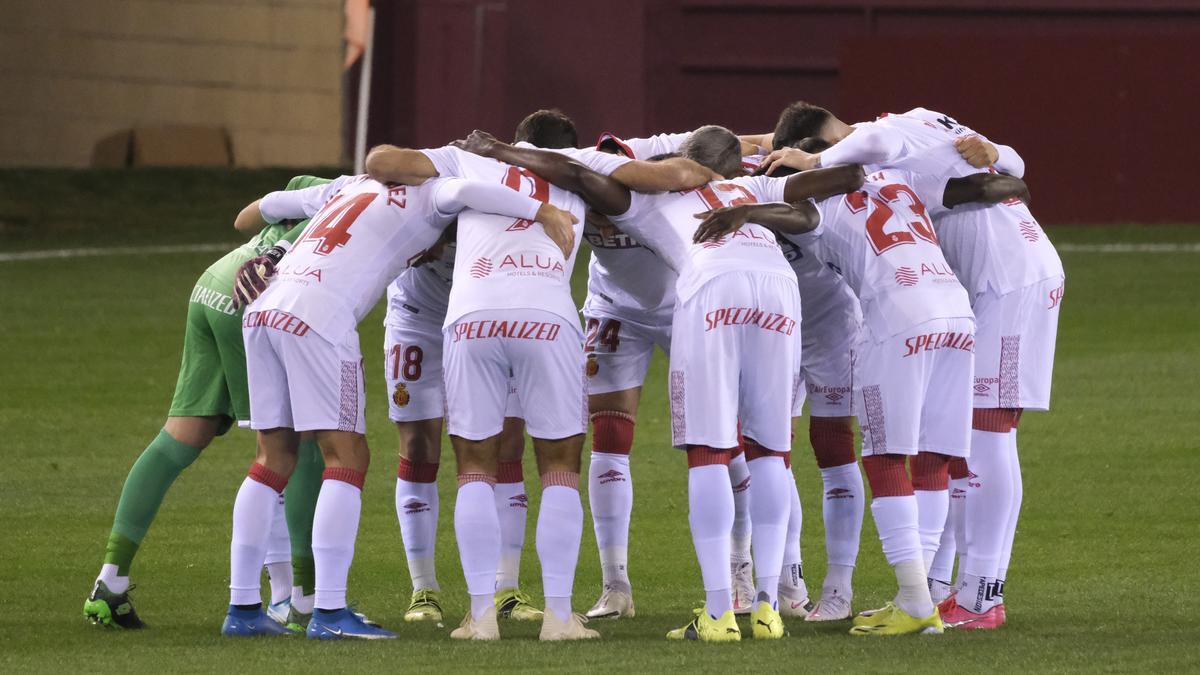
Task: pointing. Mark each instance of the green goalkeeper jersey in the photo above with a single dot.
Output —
(214, 286)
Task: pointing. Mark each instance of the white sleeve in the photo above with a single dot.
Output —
(1009, 161)
(868, 144)
(290, 204)
(638, 201)
(658, 144)
(600, 162)
(446, 160)
(765, 188)
(453, 195)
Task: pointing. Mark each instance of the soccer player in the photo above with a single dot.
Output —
(998, 251)
(526, 281)
(210, 395)
(914, 359)
(750, 314)
(628, 310)
(304, 365)
(416, 309)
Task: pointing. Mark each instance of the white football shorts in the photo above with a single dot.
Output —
(488, 354)
(618, 350)
(829, 333)
(298, 379)
(913, 390)
(733, 357)
(1014, 346)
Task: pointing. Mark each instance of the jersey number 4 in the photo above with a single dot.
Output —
(882, 212)
(331, 226)
(539, 190)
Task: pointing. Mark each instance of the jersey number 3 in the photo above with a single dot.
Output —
(882, 212)
(331, 226)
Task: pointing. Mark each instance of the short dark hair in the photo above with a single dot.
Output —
(813, 144)
(715, 147)
(799, 121)
(547, 129)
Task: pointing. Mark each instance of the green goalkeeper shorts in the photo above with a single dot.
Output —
(212, 375)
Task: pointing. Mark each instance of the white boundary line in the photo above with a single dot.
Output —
(65, 253)
(62, 253)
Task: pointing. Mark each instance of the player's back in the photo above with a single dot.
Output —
(928, 138)
(883, 243)
(424, 290)
(356, 244)
(629, 275)
(667, 222)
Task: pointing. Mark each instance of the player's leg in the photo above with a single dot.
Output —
(618, 354)
(931, 483)
(477, 383)
(842, 508)
(793, 589)
(953, 541)
(550, 383)
(769, 385)
(300, 504)
(888, 404)
(417, 508)
(703, 387)
(512, 507)
(610, 493)
(200, 409)
(278, 564)
(741, 558)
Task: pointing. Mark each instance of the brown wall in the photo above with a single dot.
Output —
(1094, 93)
(74, 71)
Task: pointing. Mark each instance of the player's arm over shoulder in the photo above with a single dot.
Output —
(392, 164)
(668, 175)
(986, 188)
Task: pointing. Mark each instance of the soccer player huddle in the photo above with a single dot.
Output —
(889, 270)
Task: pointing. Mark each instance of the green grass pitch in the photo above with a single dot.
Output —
(1104, 576)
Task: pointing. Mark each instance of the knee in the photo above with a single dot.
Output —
(930, 471)
(887, 476)
(832, 440)
(612, 432)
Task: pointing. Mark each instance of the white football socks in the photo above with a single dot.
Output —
(771, 490)
(1010, 530)
(610, 492)
(253, 511)
(477, 529)
(511, 509)
(989, 507)
(932, 508)
(842, 510)
(739, 478)
(278, 559)
(943, 563)
(335, 527)
(417, 512)
(114, 582)
(790, 575)
(710, 515)
(896, 520)
(559, 531)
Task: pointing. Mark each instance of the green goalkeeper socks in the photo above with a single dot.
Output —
(300, 503)
(148, 481)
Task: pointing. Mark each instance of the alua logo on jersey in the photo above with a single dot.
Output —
(521, 264)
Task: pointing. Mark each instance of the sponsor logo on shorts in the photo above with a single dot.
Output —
(592, 367)
(481, 268)
(742, 486)
(514, 330)
(839, 493)
(831, 394)
(1030, 231)
(213, 300)
(983, 385)
(518, 501)
(749, 316)
(414, 506)
(401, 397)
(1056, 296)
(276, 320)
(905, 276)
(943, 340)
(611, 476)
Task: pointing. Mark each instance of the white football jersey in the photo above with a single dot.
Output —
(820, 286)
(507, 263)
(360, 240)
(666, 222)
(884, 245)
(622, 272)
(423, 291)
(995, 247)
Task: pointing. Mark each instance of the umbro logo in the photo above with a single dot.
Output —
(415, 506)
(958, 493)
(519, 501)
(982, 388)
(742, 486)
(839, 493)
(611, 476)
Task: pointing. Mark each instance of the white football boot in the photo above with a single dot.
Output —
(572, 629)
(485, 628)
(742, 592)
(833, 606)
(615, 602)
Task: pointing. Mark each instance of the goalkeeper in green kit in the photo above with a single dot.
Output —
(210, 395)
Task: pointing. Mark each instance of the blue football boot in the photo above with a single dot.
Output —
(251, 623)
(344, 624)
